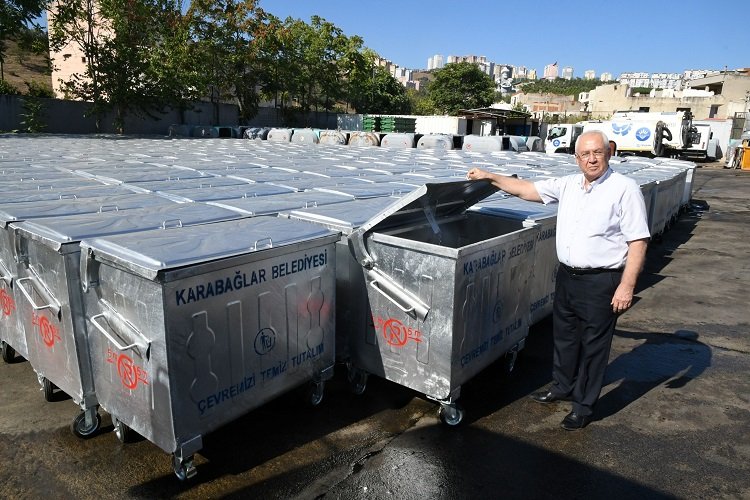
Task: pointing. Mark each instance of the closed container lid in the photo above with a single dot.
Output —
(344, 217)
(368, 190)
(515, 208)
(142, 173)
(146, 253)
(57, 231)
(56, 193)
(208, 181)
(267, 205)
(55, 208)
(226, 192)
(44, 184)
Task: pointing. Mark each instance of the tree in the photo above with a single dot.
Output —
(559, 86)
(15, 18)
(77, 23)
(223, 33)
(420, 102)
(374, 90)
(122, 43)
(460, 86)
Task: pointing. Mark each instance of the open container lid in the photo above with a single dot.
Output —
(428, 203)
(148, 252)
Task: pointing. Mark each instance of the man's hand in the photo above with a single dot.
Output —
(478, 173)
(623, 298)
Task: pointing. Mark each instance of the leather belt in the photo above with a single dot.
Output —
(588, 270)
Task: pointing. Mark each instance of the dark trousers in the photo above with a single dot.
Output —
(583, 323)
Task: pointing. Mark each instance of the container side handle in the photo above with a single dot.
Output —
(70, 196)
(263, 243)
(117, 344)
(400, 297)
(52, 305)
(171, 223)
(108, 208)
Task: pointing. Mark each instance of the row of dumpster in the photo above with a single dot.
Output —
(179, 284)
(392, 139)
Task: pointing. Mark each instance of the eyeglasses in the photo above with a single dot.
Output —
(588, 154)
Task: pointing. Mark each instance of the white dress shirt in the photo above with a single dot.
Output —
(594, 225)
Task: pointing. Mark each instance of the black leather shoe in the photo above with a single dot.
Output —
(548, 397)
(573, 421)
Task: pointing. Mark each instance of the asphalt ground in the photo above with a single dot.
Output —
(673, 420)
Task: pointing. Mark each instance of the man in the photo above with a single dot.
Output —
(602, 235)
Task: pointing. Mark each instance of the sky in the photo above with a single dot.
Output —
(656, 36)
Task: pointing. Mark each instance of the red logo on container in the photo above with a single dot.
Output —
(396, 333)
(49, 332)
(7, 303)
(130, 373)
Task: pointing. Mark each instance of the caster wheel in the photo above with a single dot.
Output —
(122, 431)
(451, 415)
(81, 429)
(357, 381)
(509, 362)
(315, 392)
(48, 388)
(184, 469)
(9, 354)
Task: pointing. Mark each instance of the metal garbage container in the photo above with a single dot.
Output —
(448, 290)
(12, 336)
(50, 309)
(544, 256)
(352, 309)
(189, 329)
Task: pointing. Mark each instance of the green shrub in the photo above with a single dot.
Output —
(39, 89)
(34, 115)
(7, 88)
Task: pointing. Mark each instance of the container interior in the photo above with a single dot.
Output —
(460, 231)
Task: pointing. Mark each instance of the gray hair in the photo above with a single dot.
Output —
(592, 132)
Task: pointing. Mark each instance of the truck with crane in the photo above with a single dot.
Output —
(632, 133)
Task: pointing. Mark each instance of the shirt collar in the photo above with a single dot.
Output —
(597, 181)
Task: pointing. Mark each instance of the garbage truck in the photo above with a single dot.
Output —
(632, 132)
(706, 147)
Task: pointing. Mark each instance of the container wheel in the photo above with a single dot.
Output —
(315, 393)
(184, 468)
(122, 431)
(83, 430)
(509, 361)
(357, 380)
(48, 388)
(451, 414)
(9, 353)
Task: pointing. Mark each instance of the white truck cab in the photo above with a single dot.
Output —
(561, 138)
(706, 147)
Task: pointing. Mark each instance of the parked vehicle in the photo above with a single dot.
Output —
(706, 147)
(632, 132)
